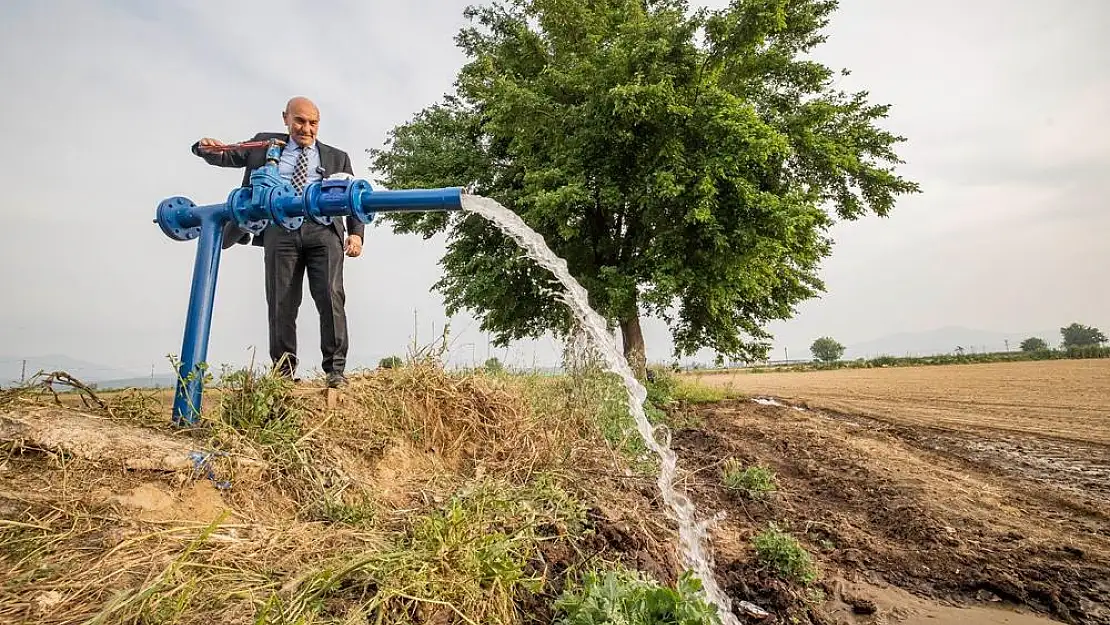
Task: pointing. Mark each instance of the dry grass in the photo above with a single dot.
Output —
(96, 565)
(62, 389)
(426, 497)
(472, 419)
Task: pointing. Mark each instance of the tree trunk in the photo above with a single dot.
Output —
(634, 352)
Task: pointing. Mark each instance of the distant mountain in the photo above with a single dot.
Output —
(158, 381)
(944, 341)
(11, 368)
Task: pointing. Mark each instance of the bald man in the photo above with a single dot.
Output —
(312, 248)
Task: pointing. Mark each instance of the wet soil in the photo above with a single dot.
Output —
(994, 521)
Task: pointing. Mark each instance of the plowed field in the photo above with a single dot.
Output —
(1066, 399)
(988, 482)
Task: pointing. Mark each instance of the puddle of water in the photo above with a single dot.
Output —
(771, 401)
(943, 615)
(898, 606)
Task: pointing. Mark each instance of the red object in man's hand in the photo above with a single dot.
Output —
(246, 145)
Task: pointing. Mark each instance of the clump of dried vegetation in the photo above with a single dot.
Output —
(424, 496)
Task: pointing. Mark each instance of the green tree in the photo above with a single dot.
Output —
(690, 181)
(826, 349)
(1033, 344)
(493, 365)
(1079, 335)
(390, 362)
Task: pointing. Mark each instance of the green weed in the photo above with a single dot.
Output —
(260, 405)
(756, 482)
(694, 393)
(598, 399)
(625, 597)
(660, 385)
(785, 555)
(360, 513)
(665, 388)
(471, 560)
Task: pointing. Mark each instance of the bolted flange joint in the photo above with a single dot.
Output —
(355, 193)
(176, 219)
(312, 208)
(285, 206)
(245, 212)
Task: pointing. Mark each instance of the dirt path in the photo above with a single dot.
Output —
(942, 514)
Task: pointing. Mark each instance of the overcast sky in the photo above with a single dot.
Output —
(1004, 104)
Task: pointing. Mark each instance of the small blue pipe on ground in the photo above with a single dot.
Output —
(269, 199)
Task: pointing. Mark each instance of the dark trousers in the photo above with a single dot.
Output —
(318, 251)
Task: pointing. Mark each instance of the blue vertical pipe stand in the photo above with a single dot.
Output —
(268, 199)
(198, 324)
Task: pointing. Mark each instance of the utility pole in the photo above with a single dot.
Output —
(787, 352)
(1007, 341)
(23, 374)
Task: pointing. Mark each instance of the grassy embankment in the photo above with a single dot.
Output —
(426, 496)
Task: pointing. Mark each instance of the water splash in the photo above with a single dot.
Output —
(691, 532)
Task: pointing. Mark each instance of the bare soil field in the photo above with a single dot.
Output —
(965, 483)
(1067, 399)
(897, 520)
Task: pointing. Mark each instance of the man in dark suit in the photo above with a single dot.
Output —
(312, 248)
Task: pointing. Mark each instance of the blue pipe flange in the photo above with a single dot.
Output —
(277, 202)
(239, 202)
(355, 192)
(312, 204)
(169, 213)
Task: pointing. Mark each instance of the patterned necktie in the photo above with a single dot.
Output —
(300, 171)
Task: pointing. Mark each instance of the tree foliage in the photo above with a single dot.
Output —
(1033, 344)
(688, 180)
(390, 362)
(826, 349)
(1079, 335)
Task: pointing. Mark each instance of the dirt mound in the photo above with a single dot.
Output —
(199, 502)
(87, 436)
(423, 496)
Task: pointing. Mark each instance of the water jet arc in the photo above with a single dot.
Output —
(692, 533)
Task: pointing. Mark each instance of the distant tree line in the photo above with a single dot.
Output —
(1077, 341)
(1074, 335)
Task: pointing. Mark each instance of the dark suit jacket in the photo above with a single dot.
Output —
(333, 160)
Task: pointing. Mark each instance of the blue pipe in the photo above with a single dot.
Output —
(198, 323)
(412, 200)
(268, 199)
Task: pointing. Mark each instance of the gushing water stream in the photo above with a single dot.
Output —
(691, 532)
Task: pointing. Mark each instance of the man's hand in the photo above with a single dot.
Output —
(354, 245)
(207, 141)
